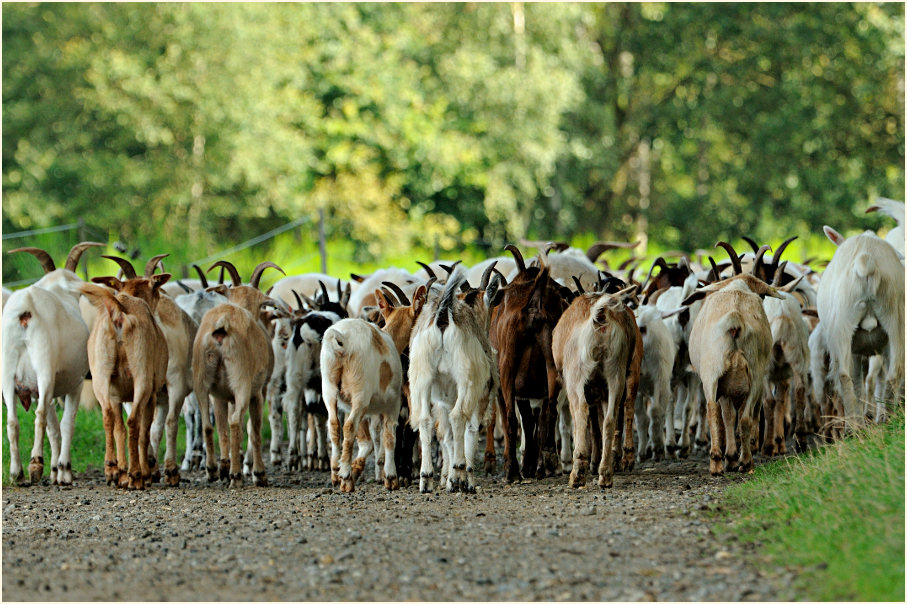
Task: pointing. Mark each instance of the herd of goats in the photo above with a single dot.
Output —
(557, 356)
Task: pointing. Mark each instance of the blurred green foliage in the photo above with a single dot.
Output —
(196, 126)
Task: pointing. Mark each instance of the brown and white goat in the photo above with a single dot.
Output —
(127, 354)
(598, 352)
(361, 375)
(232, 361)
(730, 343)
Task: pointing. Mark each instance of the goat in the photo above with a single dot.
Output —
(179, 332)
(861, 306)
(655, 385)
(44, 356)
(730, 343)
(598, 350)
(361, 375)
(453, 373)
(530, 306)
(309, 285)
(893, 209)
(127, 354)
(364, 295)
(232, 360)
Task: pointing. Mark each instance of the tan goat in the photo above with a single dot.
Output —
(730, 343)
(232, 360)
(597, 349)
(127, 354)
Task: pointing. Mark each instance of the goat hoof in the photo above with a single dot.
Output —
(276, 459)
(224, 469)
(605, 482)
(469, 488)
(491, 463)
(35, 469)
(335, 476)
(716, 467)
(212, 473)
(156, 476)
(628, 460)
(172, 477)
(578, 477)
(347, 485)
(236, 480)
(391, 483)
(17, 477)
(135, 482)
(259, 479)
(358, 466)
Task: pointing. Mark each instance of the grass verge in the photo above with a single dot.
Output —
(836, 515)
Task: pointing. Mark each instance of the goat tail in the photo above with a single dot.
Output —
(732, 324)
(865, 269)
(332, 344)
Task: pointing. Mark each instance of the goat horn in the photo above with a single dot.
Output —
(234, 274)
(579, 284)
(780, 251)
(185, 287)
(72, 260)
(779, 274)
(220, 278)
(201, 276)
(256, 274)
(759, 269)
(43, 257)
(486, 276)
(428, 269)
(517, 256)
(324, 292)
(626, 263)
(299, 303)
(752, 244)
(396, 289)
(152, 264)
(735, 260)
(429, 283)
(502, 277)
(714, 273)
(128, 269)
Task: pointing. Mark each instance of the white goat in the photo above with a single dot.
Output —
(45, 356)
(894, 209)
(659, 351)
(861, 309)
(452, 377)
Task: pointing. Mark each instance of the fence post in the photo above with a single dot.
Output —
(322, 246)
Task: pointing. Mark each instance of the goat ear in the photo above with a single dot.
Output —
(628, 295)
(792, 285)
(159, 280)
(111, 282)
(833, 235)
(497, 297)
(219, 289)
(101, 297)
(419, 299)
(384, 306)
(699, 294)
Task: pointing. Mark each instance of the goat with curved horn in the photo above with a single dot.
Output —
(517, 256)
(47, 263)
(752, 244)
(201, 275)
(72, 260)
(714, 274)
(299, 304)
(324, 292)
(659, 262)
(777, 258)
(396, 289)
(486, 276)
(256, 274)
(735, 259)
(128, 269)
(427, 268)
(234, 274)
(759, 269)
(152, 264)
(579, 284)
(599, 248)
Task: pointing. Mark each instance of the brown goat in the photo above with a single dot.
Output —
(521, 331)
(127, 354)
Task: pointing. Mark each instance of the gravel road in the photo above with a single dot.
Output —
(650, 537)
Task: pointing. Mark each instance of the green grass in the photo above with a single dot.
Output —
(88, 440)
(836, 515)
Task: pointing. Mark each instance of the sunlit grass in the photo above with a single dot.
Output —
(836, 515)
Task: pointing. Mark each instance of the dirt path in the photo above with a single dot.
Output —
(648, 538)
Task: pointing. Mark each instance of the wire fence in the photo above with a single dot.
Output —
(241, 246)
